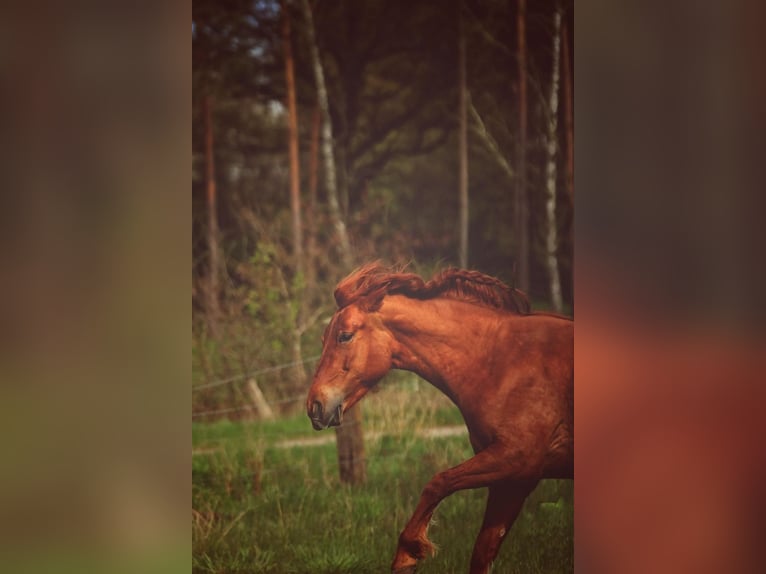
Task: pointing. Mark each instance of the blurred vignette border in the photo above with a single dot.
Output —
(670, 350)
(94, 362)
(669, 282)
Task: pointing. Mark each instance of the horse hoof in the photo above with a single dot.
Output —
(404, 565)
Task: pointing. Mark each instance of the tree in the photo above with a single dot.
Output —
(349, 436)
(568, 121)
(295, 192)
(389, 85)
(312, 211)
(521, 215)
(211, 289)
(237, 57)
(328, 154)
(292, 127)
(551, 236)
(463, 141)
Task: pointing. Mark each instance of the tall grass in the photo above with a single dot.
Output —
(258, 507)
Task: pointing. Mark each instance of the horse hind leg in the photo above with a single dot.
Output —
(504, 503)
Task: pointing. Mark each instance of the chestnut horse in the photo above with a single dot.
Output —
(508, 370)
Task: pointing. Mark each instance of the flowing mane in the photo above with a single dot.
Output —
(369, 284)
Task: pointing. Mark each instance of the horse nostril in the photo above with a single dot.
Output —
(316, 410)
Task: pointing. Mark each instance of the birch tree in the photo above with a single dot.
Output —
(349, 437)
(551, 233)
(568, 119)
(326, 142)
(521, 209)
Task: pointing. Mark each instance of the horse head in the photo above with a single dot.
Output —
(356, 354)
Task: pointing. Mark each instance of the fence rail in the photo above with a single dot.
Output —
(244, 376)
(248, 407)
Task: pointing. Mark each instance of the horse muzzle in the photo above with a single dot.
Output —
(322, 418)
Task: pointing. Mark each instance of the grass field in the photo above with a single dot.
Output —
(260, 507)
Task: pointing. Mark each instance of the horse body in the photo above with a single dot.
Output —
(493, 367)
(510, 372)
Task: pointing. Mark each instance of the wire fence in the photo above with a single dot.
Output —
(248, 407)
(256, 373)
(204, 478)
(243, 376)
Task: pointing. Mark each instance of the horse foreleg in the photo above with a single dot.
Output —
(503, 505)
(486, 468)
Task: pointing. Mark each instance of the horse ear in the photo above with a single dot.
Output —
(372, 302)
(341, 300)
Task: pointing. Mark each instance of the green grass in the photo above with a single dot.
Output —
(259, 508)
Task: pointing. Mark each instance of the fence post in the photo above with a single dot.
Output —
(350, 444)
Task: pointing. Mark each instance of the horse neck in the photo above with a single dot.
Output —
(437, 339)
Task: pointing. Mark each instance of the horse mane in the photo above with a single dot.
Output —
(369, 284)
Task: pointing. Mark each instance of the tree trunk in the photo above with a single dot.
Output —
(312, 212)
(551, 235)
(521, 210)
(342, 176)
(299, 374)
(292, 128)
(463, 141)
(328, 155)
(349, 437)
(480, 128)
(260, 404)
(211, 291)
(569, 126)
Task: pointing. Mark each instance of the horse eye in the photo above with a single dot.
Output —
(345, 337)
